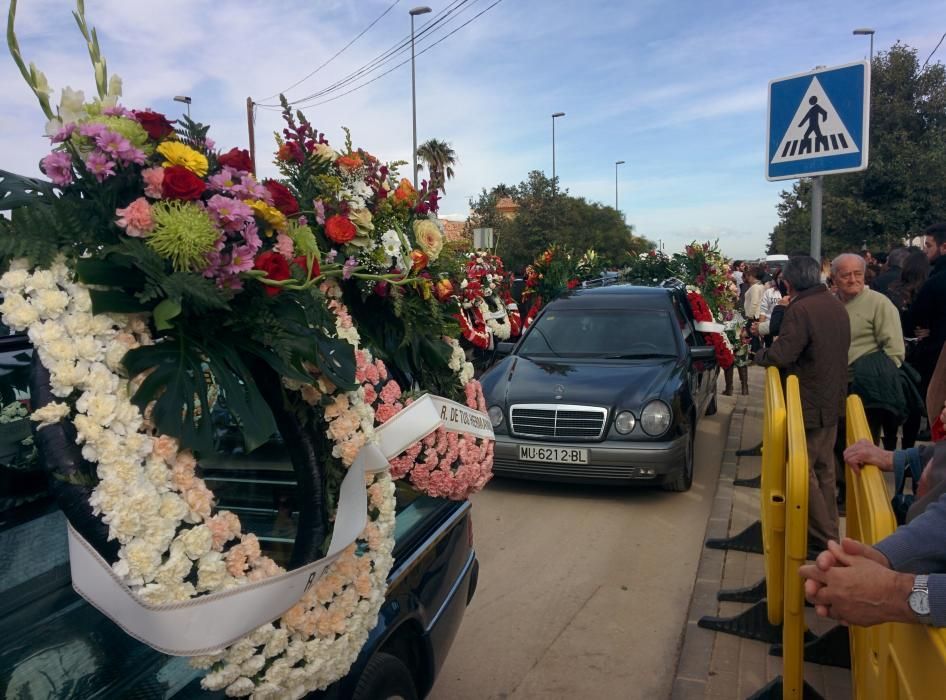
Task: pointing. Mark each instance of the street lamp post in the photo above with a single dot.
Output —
(422, 10)
(186, 100)
(554, 117)
(616, 164)
(867, 31)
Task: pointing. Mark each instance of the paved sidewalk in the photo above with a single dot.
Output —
(716, 665)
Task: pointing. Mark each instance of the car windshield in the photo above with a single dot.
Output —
(607, 333)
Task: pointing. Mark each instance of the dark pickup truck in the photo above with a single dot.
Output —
(54, 645)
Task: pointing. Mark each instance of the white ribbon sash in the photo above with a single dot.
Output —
(708, 327)
(206, 624)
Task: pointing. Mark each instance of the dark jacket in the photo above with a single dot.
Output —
(883, 281)
(929, 311)
(876, 379)
(812, 344)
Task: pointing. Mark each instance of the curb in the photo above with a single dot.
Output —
(692, 672)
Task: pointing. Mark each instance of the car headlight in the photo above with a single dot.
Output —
(495, 416)
(655, 418)
(624, 422)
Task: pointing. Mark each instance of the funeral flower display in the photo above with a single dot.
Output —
(158, 279)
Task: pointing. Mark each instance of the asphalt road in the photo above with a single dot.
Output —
(583, 591)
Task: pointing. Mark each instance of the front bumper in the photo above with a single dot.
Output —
(609, 462)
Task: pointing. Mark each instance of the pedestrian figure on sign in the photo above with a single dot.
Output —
(814, 116)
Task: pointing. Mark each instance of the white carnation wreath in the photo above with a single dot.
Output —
(496, 314)
(162, 514)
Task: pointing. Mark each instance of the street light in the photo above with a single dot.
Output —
(554, 117)
(186, 100)
(616, 164)
(867, 31)
(422, 10)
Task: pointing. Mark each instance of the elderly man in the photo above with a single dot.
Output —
(813, 344)
(877, 348)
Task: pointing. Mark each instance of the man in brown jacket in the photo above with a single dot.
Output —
(813, 344)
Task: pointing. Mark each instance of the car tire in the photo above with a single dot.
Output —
(385, 678)
(684, 479)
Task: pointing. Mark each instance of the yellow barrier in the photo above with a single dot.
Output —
(773, 493)
(796, 545)
(891, 661)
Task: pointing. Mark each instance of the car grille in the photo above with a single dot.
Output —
(558, 421)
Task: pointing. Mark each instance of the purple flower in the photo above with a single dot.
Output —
(241, 260)
(209, 144)
(249, 188)
(349, 268)
(319, 212)
(99, 165)
(132, 155)
(251, 235)
(225, 180)
(231, 214)
(92, 130)
(302, 221)
(64, 133)
(58, 168)
(118, 111)
(331, 255)
(112, 142)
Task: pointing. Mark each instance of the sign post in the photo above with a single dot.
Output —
(818, 124)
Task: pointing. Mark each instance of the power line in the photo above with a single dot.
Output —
(337, 54)
(386, 56)
(308, 101)
(934, 50)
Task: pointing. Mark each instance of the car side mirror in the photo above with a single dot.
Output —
(504, 349)
(705, 353)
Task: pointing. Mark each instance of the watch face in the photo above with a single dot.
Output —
(920, 602)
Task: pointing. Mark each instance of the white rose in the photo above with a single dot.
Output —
(197, 541)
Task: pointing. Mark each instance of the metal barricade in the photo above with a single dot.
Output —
(773, 493)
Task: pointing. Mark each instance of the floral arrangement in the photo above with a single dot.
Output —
(155, 272)
(487, 309)
(712, 331)
(554, 272)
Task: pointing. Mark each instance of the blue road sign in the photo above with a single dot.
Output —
(818, 122)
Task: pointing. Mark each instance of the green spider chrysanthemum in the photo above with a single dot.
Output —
(184, 233)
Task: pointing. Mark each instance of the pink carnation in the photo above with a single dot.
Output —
(391, 392)
(136, 218)
(154, 180)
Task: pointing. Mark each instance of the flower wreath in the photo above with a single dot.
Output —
(712, 331)
(473, 327)
(173, 545)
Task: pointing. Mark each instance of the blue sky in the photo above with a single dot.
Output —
(676, 89)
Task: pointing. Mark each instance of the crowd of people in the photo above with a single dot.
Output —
(872, 325)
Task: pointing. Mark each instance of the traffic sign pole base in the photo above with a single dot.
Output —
(753, 482)
(749, 594)
(773, 691)
(833, 648)
(752, 623)
(749, 540)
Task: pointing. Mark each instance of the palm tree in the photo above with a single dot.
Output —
(440, 159)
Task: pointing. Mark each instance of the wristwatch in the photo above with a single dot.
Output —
(919, 599)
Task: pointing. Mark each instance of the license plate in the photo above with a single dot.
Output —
(559, 455)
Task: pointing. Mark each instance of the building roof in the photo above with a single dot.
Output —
(453, 230)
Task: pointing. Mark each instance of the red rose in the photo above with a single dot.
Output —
(156, 124)
(572, 283)
(301, 263)
(339, 229)
(236, 158)
(282, 197)
(181, 183)
(276, 268)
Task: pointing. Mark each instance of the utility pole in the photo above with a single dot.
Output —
(249, 126)
(817, 194)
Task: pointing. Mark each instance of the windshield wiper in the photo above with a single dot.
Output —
(637, 356)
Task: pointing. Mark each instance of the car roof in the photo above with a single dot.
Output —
(616, 296)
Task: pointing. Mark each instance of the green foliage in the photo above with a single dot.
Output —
(546, 217)
(901, 192)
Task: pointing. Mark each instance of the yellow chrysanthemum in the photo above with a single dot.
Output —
(176, 153)
(271, 216)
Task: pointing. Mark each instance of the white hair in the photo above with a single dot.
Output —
(844, 257)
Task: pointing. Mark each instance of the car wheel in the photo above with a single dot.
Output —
(385, 678)
(711, 407)
(683, 480)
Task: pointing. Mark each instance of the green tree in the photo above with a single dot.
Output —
(901, 192)
(440, 159)
(546, 217)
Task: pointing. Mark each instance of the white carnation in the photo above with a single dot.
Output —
(240, 688)
(50, 414)
(50, 303)
(197, 541)
(14, 281)
(253, 665)
(211, 571)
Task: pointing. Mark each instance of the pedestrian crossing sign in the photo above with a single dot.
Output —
(818, 122)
